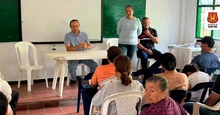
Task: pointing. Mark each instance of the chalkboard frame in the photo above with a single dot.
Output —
(19, 38)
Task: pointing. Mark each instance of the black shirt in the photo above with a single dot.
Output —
(145, 40)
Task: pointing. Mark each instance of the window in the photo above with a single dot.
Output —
(202, 7)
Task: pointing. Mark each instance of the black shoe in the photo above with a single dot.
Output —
(137, 73)
(88, 76)
(73, 82)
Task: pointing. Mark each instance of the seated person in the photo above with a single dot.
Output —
(158, 100)
(3, 104)
(103, 72)
(194, 77)
(122, 83)
(176, 80)
(146, 47)
(5, 88)
(77, 40)
(213, 99)
(207, 59)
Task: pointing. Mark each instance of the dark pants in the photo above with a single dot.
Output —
(144, 58)
(14, 101)
(128, 50)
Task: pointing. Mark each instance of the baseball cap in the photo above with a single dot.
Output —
(208, 40)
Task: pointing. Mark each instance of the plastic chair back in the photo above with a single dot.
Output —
(205, 86)
(208, 70)
(22, 52)
(126, 102)
(112, 42)
(197, 105)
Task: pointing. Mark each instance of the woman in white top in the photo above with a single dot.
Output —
(195, 77)
(121, 84)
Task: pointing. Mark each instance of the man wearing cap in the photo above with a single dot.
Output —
(207, 59)
(77, 40)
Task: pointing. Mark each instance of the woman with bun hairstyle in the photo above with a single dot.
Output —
(123, 83)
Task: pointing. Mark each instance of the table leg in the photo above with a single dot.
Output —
(189, 56)
(63, 69)
(56, 72)
(170, 50)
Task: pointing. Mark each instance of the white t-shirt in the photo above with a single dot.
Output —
(195, 78)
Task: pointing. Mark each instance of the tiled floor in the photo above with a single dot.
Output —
(67, 110)
(45, 99)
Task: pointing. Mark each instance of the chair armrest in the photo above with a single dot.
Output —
(216, 107)
(197, 105)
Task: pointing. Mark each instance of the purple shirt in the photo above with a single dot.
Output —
(164, 107)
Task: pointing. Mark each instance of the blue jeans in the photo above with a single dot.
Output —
(144, 57)
(72, 66)
(128, 50)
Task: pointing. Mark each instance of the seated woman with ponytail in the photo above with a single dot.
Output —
(121, 84)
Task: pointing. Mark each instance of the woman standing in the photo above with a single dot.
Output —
(128, 29)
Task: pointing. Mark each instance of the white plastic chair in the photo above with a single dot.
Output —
(126, 103)
(22, 51)
(148, 62)
(112, 42)
(197, 105)
(68, 74)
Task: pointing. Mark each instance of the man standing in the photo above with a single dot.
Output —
(146, 48)
(207, 59)
(77, 41)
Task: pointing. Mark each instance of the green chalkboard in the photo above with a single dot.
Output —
(114, 10)
(10, 24)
